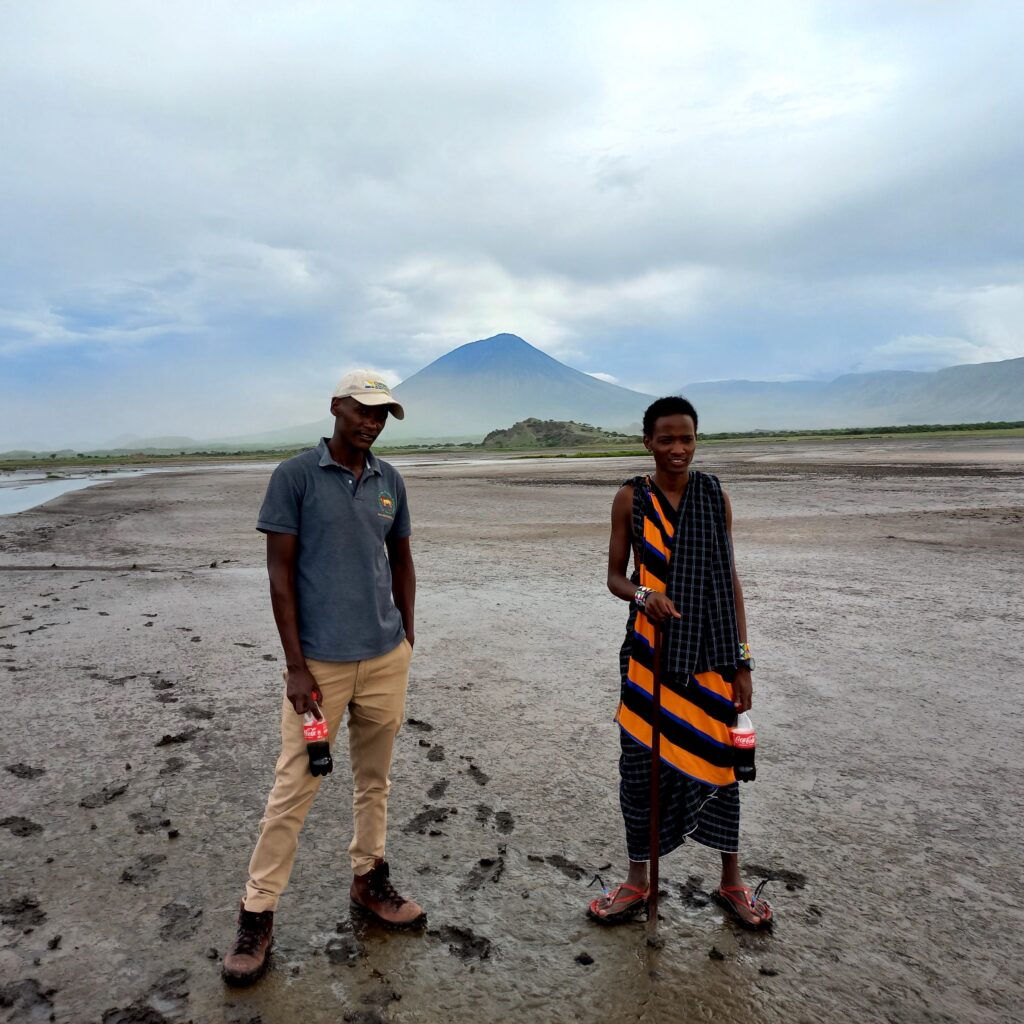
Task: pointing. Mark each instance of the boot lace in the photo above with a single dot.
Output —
(252, 930)
(381, 887)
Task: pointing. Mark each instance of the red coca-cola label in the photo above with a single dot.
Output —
(745, 740)
(314, 730)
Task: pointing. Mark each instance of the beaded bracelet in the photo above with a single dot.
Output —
(640, 597)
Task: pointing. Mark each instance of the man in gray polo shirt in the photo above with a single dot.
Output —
(342, 586)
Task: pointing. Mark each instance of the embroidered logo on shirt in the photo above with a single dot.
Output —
(386, 505)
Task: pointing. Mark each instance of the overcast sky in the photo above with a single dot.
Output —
(209, 210)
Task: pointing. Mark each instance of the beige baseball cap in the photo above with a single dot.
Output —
(367, 388)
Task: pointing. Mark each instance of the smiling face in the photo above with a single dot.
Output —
(672, 442)
(358, 425)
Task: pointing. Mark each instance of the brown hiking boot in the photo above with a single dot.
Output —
(249, 957)
(374, 895)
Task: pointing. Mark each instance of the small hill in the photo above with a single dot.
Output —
(534, 433)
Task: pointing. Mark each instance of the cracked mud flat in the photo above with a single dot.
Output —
(883, 587)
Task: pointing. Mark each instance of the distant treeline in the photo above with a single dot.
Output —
(916, 428)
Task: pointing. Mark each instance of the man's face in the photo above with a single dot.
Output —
(672, 442)
(359, 425)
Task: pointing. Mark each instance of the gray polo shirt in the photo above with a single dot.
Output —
(342, 575)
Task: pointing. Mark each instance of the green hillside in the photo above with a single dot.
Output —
(534, 433)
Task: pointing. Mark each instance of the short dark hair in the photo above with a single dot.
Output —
(673, 405)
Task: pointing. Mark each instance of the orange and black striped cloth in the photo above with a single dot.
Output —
(696, 706)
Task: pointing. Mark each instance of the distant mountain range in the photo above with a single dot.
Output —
(491, 384)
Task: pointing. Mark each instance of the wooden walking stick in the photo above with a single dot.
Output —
(655, 844)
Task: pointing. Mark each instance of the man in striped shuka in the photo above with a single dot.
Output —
(677, 523)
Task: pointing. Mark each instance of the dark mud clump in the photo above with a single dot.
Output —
(438, 789)
(463, 943)
(23, 912)
(487, 869)
(584, 958)
(26, 998)
(21, 826)
(179, 921)
(146, 822)
(144, 870)
(431, 816)
(104, 796)
(415, 723)
(481, 778)
(503, 820)
(436, 754)
(179, 737)
(25, 771)
(792, 880)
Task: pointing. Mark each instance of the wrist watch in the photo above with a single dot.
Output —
(744, 659)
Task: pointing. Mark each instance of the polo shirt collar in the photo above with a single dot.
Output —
(326, 462)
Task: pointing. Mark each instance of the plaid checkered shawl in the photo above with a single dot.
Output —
(699, 577)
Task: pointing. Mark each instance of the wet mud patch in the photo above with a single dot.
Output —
(168, 996)
(487, 869)
(197, 712)
(438, 789)
(27, 999)
(431, 816)
(793, 880)
(23, 913)
(481, 778)
(25, 771)
(436, 754)
(22, 827)
(463, 942)
(503, 820)
(144, 870)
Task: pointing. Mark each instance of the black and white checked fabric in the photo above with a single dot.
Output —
(688, 809)
(700, 578)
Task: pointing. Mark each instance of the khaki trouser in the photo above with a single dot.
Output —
(373, 691)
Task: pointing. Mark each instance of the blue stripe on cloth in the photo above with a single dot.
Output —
(675, 718)
(646, 642)
(650, 547)
(711, 693)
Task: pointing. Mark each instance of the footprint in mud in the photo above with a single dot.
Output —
(196, 711)
(179, 737)
(438, 789)
(179, 921)
(430, 816)
(25, 771)
(27, 999)
(144, 870)
(174, 764)
(146, 822)
(487, 869)
(167, 1000)
(104, 796)
(568, 868)
(481, 778)
(344, 950)
(22, 827)
(161, 684)
(463, 943)
(436, 754)
(793, 880)
(691, 894)
(503, 820)
(23, 912)
(415, 723)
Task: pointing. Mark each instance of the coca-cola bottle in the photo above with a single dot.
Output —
(318, 743)
(744, 742)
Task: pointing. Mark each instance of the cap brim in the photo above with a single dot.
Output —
(369, 398)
